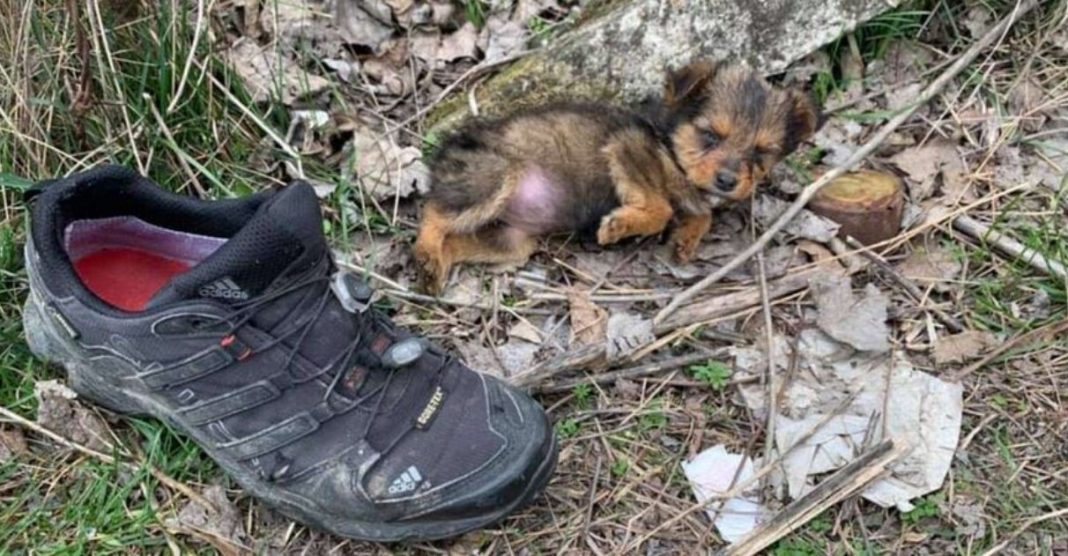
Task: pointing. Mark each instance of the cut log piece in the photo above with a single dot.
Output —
(868, 205)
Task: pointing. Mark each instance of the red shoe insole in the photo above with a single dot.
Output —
(127, 278)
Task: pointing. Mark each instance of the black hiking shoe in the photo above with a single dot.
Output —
(229, 320)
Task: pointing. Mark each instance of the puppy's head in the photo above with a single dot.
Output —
(728, 127)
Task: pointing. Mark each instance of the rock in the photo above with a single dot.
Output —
(619, 51)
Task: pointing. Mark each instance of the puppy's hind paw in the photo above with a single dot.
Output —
(612, 230)
(432, 273)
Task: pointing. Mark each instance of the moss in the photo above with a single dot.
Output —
(527, 83)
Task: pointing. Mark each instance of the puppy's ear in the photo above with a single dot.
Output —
(803, 118)
(682, 84)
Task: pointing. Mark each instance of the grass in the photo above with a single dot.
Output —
(55, 502)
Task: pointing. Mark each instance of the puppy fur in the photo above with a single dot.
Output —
(498, 185)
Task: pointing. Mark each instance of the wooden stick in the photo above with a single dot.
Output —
(859, 155)
(842, 484)
(1026, 338)
(582, 357)
(638, 371)
(58, 438)
(914, 292)
(1006, 244)
(772, 384)
(1027, 525)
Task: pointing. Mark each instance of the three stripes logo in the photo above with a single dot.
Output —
(406, 482)
(224, 288)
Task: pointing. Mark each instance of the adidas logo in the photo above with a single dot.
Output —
(223, 288)
(406, 482)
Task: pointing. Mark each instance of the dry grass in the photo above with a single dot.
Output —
(116, 88)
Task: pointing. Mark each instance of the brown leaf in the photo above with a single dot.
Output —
(935, 267)
(977, 20)
(267, 74)
(859, 321)
(524, 330)
(626, 333)
(364, 22)
(962, 347)
(12, 444)
(440, 49)
(588, 321)
(219, 525)
(59, 412)
(923, 164)
(384, 169)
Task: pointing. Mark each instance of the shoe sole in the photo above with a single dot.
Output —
(85, 378)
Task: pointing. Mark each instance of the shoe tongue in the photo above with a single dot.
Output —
(283, 240)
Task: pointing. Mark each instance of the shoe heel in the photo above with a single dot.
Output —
(47, 346)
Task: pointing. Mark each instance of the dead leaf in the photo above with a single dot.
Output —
(266, 74)
(384, 170)
(60, 412)
(968, 514)
(859, 321)
(805, 225)
(12, 444)
(517, 355)
(287, 18)
(437, 49)
(977, 20)
(480, 358)
(502, 38)
(1029, 103)
(834, 139)
(1008, 170)
(589, 322)
(347, 70)
(902, 97)
(388, 69)
(923, 164)
(626, 333)
(523, 330)
(364, 22)
(1051, 167)
(962, 347)
(936, 267)
(220, 525)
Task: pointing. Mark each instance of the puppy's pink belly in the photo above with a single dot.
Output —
(535, 207)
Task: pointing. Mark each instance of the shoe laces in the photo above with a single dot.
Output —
(369, 323)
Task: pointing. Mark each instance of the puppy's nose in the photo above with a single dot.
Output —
(726, 180)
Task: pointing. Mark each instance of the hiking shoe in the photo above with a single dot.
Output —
(229, 320)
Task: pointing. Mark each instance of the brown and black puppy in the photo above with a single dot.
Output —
(500, 184)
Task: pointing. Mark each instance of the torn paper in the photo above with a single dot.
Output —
(838, 401)
(713, 473)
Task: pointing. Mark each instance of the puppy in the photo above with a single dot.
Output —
(498, 185)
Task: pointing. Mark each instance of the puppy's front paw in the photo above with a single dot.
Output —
(685, 247)
(432, 271)
(612, 230)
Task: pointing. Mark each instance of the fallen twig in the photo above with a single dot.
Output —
(1027, 338)
(633, 372)
(1009, 246)
(859, 155)
(1027, 525)
(914, 292)
(159, 475)
(843, 483)
(772, 384)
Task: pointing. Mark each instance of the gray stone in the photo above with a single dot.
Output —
(622, 48)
